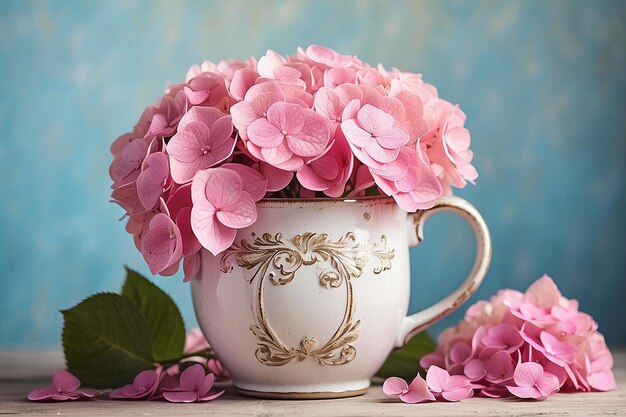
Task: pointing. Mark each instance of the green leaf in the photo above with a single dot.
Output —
(106, 341)
(404, 362)
(165, 323)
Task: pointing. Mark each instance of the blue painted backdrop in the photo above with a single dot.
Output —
(543, 84)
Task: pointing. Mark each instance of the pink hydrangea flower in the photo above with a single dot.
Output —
(447, 146)
(288, 135)
(416, 392)
(539, 327)
(449, 387)
(330, 172)
(194, 386)
(162, 118)
(65, 386)
(162, 245)
(154, 179)
(315, 122)
(144, 386)
(207, 89)
(126, 166)
(220, 207)
(531, 381)
(202, 141)
(374, 132)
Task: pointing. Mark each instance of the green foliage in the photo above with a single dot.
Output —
(108, 338)
(165, 324)
(106, 341)
(404, 362)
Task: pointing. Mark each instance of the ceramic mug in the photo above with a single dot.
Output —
(310, 300)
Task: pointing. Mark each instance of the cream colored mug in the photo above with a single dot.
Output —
(310, 300)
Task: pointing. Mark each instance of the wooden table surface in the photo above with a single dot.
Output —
(22, 371)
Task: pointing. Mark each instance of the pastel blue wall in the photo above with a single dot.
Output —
(543, 84)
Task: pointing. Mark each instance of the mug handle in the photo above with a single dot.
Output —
(419, 321)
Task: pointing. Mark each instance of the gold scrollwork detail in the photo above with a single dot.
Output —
(278, 260)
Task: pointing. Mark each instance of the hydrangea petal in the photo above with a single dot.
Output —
(263, 133)
(65, 381)
(180, 396)
(252, 181)
(437, 378)
(239, 215)
(395, 386)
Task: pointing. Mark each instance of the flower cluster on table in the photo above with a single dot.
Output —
(193, 384)
(528, 345)
(314, 124)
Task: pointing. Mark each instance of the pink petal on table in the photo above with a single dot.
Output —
(524, 392)
(65, 381)
(437, 378)
(239, 215)
(417, 392)
(46, 393)
(527, 374)
(88, 393)
(206, 385)
(458, 392)
(602, 381)
(180, 396)
(191, 378)
(252, 181)
(395, 386)
(212, 396)
(147, 378)
(264, 134)
(548, 385)
(152, 180)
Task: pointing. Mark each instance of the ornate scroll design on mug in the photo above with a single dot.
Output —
(271, 258)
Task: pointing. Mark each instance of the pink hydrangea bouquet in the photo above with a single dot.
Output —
(311, 125)
(530, 345)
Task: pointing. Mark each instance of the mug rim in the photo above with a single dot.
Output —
(326, 201)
